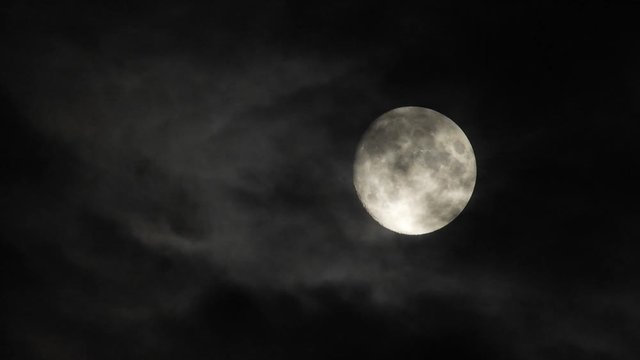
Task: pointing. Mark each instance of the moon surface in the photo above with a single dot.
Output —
(414, 170)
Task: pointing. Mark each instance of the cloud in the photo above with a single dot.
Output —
(170, 174)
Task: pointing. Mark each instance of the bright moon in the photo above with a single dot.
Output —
(414, 170)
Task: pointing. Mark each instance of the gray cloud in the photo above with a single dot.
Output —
(193, 166)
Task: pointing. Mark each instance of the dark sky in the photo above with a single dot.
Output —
(177, 181)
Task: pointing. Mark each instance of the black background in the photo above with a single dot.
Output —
(177, 181)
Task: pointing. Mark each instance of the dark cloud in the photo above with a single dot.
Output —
(178, 182)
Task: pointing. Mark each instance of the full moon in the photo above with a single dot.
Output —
(415, 170)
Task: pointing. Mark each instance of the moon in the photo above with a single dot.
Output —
(414, 170)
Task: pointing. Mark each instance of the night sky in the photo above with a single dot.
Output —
(177, 181)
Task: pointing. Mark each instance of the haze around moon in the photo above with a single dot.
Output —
(414, 170)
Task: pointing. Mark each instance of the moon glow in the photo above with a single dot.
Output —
(414, 170)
